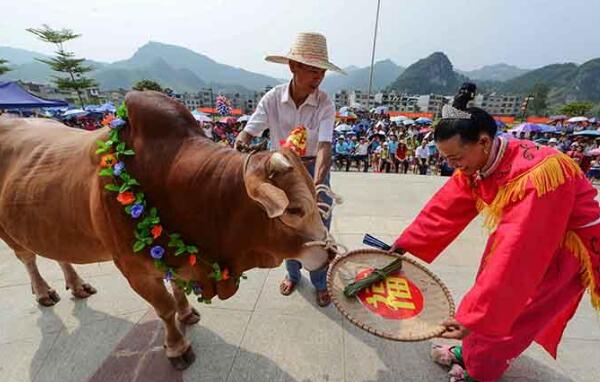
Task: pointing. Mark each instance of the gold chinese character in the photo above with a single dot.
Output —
(390, 292)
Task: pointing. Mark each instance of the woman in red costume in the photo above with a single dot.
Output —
(544, 246)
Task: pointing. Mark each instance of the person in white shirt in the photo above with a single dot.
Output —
(422, 153)
(287, 106)
(362, 154)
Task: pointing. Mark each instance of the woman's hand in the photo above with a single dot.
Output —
(396, 250)
(454, 330)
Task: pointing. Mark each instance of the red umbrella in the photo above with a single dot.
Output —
(425, 130)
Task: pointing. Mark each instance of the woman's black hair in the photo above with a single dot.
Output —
(470, 129)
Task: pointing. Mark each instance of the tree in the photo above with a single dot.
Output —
(65, 62)
(3, 68)
(147, 85)
(574, 109)
(595, 112)
(539, 104)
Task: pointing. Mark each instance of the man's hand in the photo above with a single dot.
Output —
(454, 330)
(243, 139)
(323, 162)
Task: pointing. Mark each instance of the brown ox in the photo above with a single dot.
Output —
(242, 212)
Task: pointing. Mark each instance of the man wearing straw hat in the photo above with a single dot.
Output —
(300, 102)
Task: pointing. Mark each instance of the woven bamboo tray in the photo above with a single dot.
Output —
(409, 305)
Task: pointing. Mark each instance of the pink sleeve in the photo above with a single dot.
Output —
(443, 218)
(527, 237)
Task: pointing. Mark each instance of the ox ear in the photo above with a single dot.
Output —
(271, 198)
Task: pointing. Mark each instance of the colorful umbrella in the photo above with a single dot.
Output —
(577, 119)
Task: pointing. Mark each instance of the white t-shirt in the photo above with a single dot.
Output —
(278, 112)
(362, 149)
(422, 152)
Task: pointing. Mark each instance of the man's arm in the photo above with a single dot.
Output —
(323, 163)
(259, 122)
(243, 138)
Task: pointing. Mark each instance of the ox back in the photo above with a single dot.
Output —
(49, 189)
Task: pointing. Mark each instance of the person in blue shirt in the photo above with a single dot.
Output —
(393, 146)
(342, 153)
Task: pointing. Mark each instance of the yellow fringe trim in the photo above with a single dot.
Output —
(572, 243)
(546, 176)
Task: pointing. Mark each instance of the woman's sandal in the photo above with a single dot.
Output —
(446, 355)
(451, 356)
(458, 373)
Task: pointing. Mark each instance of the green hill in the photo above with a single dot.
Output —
(433, 74)
(384, 73)
(172, 66)
(496, 73)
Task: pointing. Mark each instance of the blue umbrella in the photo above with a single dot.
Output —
(547, 129)
(75, 113)
(423, 121)
(527, 128)
(588, 133)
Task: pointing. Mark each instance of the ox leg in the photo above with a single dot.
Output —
(44, 294)
(178, 349)
(78, 287)
(185, 312)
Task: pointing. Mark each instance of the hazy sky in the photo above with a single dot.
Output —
(527, 33)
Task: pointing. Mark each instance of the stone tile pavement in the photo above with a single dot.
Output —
(259, 335)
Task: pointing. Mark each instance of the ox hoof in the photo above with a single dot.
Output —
(193, 317)
(51, 299)
(183, 361)
(85, 291)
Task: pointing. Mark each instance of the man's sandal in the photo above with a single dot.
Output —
(287, 286)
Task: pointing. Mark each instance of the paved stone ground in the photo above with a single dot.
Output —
(259, 335)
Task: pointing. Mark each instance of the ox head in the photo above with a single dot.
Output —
(284, 190)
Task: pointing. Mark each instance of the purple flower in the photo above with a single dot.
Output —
(157, 253)
(118, 168)
(197, 288)
(137, 210)
(168, 274)
(117, 123)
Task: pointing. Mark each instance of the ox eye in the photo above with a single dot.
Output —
(294, 211)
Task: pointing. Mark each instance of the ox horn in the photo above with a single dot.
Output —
(279, 164)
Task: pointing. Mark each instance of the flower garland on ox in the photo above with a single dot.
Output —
(148, 227)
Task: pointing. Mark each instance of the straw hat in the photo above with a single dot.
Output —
(309, 49)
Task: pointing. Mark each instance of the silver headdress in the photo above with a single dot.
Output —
(450, 112)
